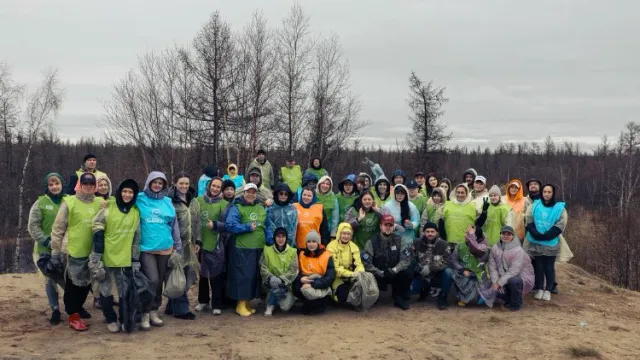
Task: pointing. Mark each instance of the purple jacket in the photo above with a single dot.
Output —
(508, 260)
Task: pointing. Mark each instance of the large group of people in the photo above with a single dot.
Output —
(287, 237)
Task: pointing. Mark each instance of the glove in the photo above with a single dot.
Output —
(425, 271)
(47, 243)
(135, 266)
(99, 273)
(55, 264)
(368, 162)
(388, 274)
(485, 204)
(274, 282)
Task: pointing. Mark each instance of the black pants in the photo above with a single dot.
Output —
(308, 306)
(545, 269)
(211, 289)
(108, 311)
(342, 292)
(400, 283)
(512, 294)
(74, 296)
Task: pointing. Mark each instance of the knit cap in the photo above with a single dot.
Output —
(495, 190)
(313, 236)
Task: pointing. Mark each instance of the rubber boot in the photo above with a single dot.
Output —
(241, 308)
(252, 310)
(76, 324)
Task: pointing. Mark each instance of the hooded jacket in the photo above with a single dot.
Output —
(238, 180)
(203, 209)
(311, 218)
(345, 201)
(266, 171)
(264, 193)
(400, 173)
(432, 211)
(346, 257)
(393, 207)
(281, 264)
(283, 215)
(42, 215)
(160, 232)
(239, 220)
(108, 194)
(183, 212)
(210, 171)
(471, 171)
(330, 204)
(367, 176)
(376, 196)
(317, 171)
(456, 216)
(306, 180)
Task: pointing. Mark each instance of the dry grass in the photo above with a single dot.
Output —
(606, 289)
(584, 352)
(618, 328)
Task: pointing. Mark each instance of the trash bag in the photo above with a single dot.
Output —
(364, 291)
(136, 293)
(176, 283)
(50, 271)
(565, 254)
(313, 294)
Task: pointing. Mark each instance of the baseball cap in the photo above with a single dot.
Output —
(250, 186)
(87, 178)
(387, 219)
(481, 178)
(412, 185)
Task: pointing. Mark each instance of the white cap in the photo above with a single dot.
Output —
(481, 179)
(250, 186)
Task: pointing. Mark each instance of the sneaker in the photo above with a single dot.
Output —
(55, 317)
(269, 310)
(76, 324)
(538, 295)
(546, 295)
(145, 324)
(217, 312)
(113, 327)
(202, 307)
(155, 320)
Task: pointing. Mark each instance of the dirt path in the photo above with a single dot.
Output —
(539, 331)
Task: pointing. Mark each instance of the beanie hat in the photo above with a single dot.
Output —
(430, 225)
(261, 151)
(313, 236)
(211, 170)
(228, 183)
(495, 190)
(88, 156)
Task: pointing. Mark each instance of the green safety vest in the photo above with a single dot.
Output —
(292, 177)
(210, 211)
(79, 227)
(469, 261)
(119, 231)
(345, 202)
(496, 216)
(255, 239)
(317, 172)
(420, 202)
(279, 263)
(49, 210)
(456, 219)
(328, 202)
(368, 227)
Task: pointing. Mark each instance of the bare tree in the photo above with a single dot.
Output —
(42, 106)
(295, 49)
(335, 110)
(426, 101)
(11, 95)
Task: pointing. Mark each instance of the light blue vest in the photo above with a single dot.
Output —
(156, 220)
(544, 218)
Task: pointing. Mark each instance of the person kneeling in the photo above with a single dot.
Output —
(431, 259)
(388, 260)
(317, 272)
(511, 271)
(468, 264)
(278, 269)
(352, 285)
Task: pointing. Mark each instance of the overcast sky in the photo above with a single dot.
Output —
(514, 70)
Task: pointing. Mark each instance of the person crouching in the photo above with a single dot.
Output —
(317, 272)
(279, 269)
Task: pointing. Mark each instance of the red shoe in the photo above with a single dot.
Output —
(76, 323)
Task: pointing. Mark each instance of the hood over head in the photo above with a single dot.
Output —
(403, 187)
(471, 171)
(105, 178)
(152, 176)
(307, 178)
(401, 173)
(517, 196)
(280, 230)
(55, 198)
(342, 227)
(319, 162)
(232, 165)
(380, 180)
(313, 201)
(349, 178)
(439, 190)
(323, 179)
(211, 170)
(127, 184)
(282, 187)
(365, 175)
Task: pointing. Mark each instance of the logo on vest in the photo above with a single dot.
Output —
(305, 214)
(204, 215)
(155, 217)
(48, 207)
(369, 222)
(91, 210)
(253, 216)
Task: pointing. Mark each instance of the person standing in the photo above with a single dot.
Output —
(73, 222)
(434, 207)
(291, 174)
(329, 201)
(283, 213)
(311, 217)
(515, 198)
(232, 174)
(41, 217)
(248, 222)
(364, 218)
(210, 171)
(417, 199)
(89, 165)
(494, 215)
(315, 168)
(458, 214)
(348, 194)
(266, 170)
(405, 214)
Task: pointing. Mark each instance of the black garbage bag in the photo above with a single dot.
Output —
(137, 293)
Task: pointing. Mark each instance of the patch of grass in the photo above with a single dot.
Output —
(606, 289)
(584, 352)
(618, 328)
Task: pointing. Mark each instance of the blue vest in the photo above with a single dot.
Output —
(544, 218)
(156, 220)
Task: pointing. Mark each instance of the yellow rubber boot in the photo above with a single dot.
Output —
(252, 310)
(241, 308)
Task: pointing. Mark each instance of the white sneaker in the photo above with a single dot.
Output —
(538, 295)
(546, 296)
(269, 310)
(155, 320)
(113, 327)
(217, 312)
(144, 323)
(202, 307)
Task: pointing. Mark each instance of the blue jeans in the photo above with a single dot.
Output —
(444, 278)
(51, 288)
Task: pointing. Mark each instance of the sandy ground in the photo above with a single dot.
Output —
(610, 320)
